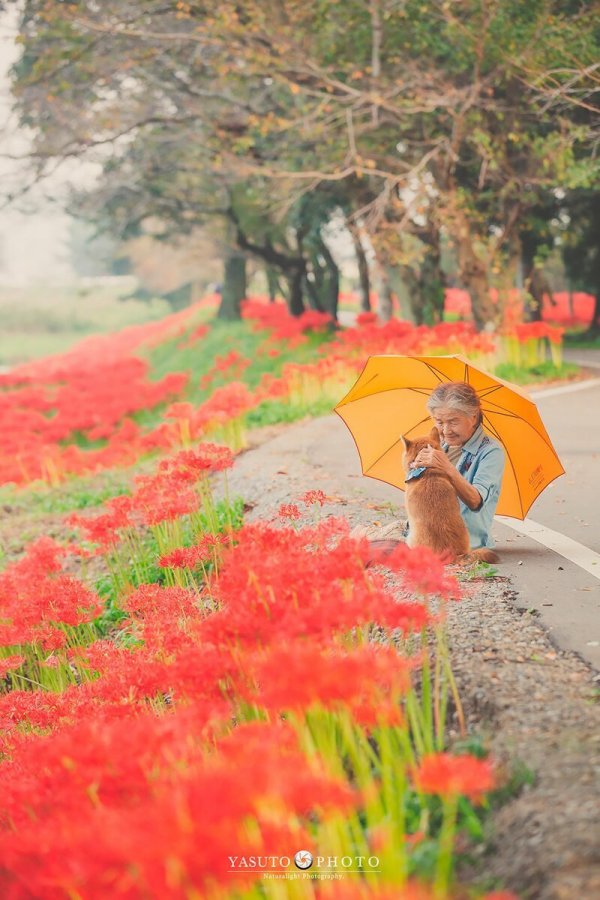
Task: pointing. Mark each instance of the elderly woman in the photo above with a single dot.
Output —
(473, 460)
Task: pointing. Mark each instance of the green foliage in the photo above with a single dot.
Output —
(519, 777)
(75, 493)
(545, 371)
(492, 105)
(199, 359)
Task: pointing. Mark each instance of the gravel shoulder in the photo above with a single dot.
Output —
(536, 706)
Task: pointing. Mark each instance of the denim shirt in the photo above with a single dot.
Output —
(481, 463)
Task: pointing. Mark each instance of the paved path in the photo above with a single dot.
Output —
(566, 595)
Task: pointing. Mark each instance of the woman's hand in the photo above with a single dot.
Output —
(437, 459)
(434, 459)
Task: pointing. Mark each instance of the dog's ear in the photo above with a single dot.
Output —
(434, 436)
(407, 443)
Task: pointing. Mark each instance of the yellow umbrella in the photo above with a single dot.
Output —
(389, 400)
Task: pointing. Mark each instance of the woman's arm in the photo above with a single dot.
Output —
(469, 495)
(437, 459)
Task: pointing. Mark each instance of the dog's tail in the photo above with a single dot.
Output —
(482, 554)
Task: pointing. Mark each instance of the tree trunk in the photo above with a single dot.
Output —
(296, 300)
(363, 270)
(594, 328)
(272, 283)
(425, 289)
(331, 282)
(412, 284)
(484, 313)
(386, 297)
(537, 286)
(234, 286)
(474, 276)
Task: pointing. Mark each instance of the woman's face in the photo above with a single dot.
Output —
(455, 427)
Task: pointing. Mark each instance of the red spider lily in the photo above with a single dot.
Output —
(446, 775)
(103, 529)
(421, 569)
(10, 663)
(366, 318)
(179, 411)
(35, 596)
(194, 336)
(293, 677)
(311, 497)
(162, 497)
(289, 511)
(119, 829)
(168, 600)
(81, 391)
(199, 463)
(275, 318)
(226, 404)
(230, 365)
(191, 557)
(279, 583)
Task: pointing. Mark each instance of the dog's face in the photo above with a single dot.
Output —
(412, 448)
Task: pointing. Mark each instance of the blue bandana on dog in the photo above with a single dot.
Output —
(415, 473)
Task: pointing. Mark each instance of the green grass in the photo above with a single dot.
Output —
(41, 320)
(76, 493)
(223, 337)
(545, 371)
(576, 341)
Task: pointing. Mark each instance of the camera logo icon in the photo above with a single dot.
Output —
(303, 859)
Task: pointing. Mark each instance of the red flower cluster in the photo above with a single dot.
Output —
(275, 318)
(278, 583)
(233, 364)
(192, 557)
(535, 331)
(445, 775)
(289, 511)
(311, 497)
(194, 336)
(52, 400)
(163, 818)
(36, 597)
(162, 497)
(295, 677)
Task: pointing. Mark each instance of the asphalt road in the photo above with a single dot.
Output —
(566, 596)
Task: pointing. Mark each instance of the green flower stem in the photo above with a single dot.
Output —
(426, 695)
(443, 869)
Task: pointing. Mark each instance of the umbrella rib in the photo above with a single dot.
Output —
(509, 415)
(387, 450)
(485, 392)
(434, 371)
(375, 461)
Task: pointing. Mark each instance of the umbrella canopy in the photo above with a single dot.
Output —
(389, 400)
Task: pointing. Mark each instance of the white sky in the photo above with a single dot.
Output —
(33, 238)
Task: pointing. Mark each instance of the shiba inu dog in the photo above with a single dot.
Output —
(433, 509)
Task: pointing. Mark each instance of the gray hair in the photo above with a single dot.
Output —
(456, 395)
